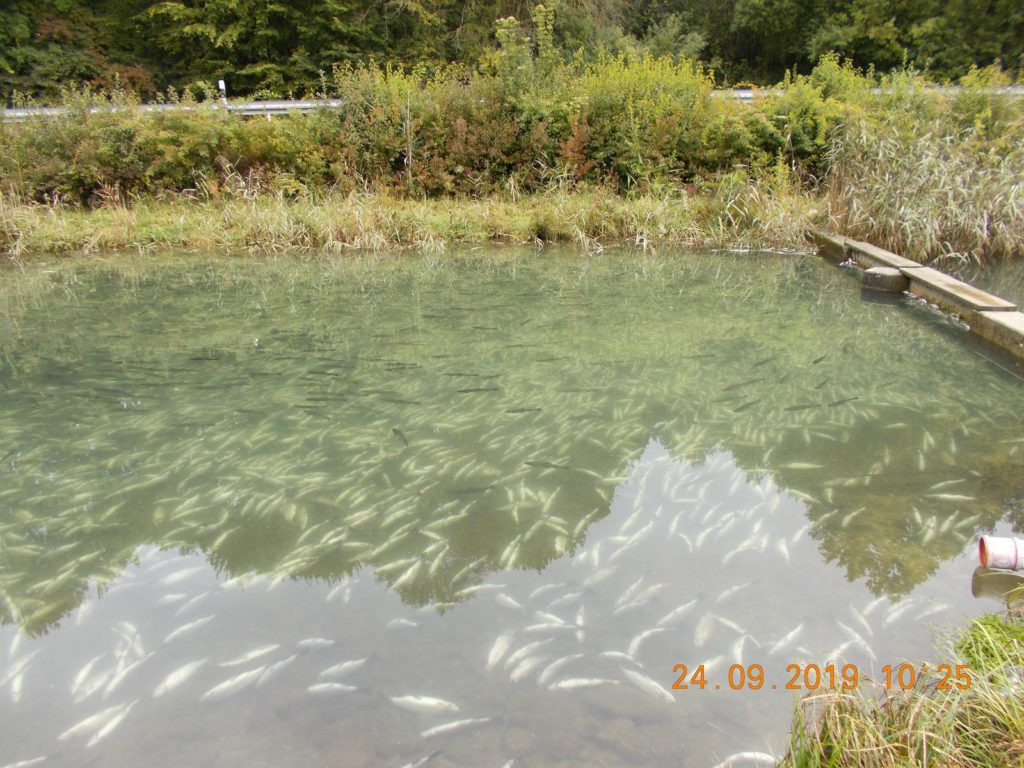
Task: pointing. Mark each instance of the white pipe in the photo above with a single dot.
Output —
(998, 552)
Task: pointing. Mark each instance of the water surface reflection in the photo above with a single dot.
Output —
(599, 468)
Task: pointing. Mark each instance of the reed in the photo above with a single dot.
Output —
(935, 179)
(928, 195)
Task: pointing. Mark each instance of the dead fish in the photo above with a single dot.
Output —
(194, 601)
(555, 666)
(731, 591)
(344, 668)
(898, 610)
(786, 640)
(233, 685)
(271, 671)
(573, 683)
(179, 576)
(526, 666)
(315, 642)
(619, 656)
(634, 645)
(498, 650)
(525, 651)
(111, 724)
(190, 627)
(456, 725)
(27, 763)
(255, 653)
(122, 673)
(677, 613)
(564, 600)
(426, 704)
(931, 611)
(648, 685)
(331, 688)
(93, 722)
(81, 677)
(508, 602)
(873, 604)
(598, 576)
(401, 623)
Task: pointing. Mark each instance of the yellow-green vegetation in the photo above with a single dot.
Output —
(933, 178)
(884, 158)
(736, 213)
(981, 724)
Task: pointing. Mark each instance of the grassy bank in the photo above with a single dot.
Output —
(516, 151)
(981, 726)
(736, 212)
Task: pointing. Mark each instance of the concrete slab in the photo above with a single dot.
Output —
(868, 255)
(953, 295)
(884, 279)
(1005, 329)
(832, 247)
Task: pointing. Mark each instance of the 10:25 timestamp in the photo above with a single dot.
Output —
(811, 677)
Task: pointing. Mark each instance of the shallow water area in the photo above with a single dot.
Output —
(473, 510)
(1003, 277)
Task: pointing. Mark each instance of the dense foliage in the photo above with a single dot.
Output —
(621, 123)
(267, 47)
(893, 161)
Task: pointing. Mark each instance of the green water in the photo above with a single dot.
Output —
(268, 469)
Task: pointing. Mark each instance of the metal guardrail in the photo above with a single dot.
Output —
(284, 106)
(245, 108)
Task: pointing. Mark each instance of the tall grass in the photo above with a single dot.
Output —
(927, 193)
(935, 179)
(981, 726)
(733, 212)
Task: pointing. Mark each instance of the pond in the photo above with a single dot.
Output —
(474, 510)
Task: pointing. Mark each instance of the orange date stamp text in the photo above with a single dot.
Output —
(811, 677)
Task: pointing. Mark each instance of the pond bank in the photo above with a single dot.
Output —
(750, 215)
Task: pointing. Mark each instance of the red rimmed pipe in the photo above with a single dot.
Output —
(999, 552)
